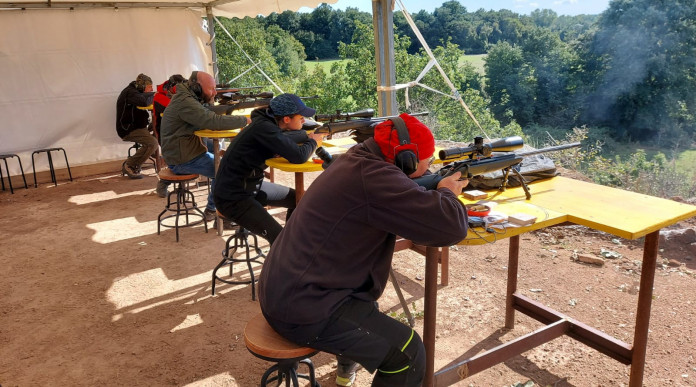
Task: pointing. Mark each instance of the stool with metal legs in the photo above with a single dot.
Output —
(184, 204)
(240, 239)
(50, 164)
(265, 343)
(9, 179)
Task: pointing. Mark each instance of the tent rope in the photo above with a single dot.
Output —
(433, 62)
(254, 65)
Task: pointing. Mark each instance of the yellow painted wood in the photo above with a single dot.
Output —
(343, 142)
(545, 218)
(622, 213)
(229, 133)
(286, 166)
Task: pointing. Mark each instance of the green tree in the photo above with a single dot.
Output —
(642, 62)
(510, 84)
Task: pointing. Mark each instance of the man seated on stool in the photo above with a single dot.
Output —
(182, 150)
(132, 123)
(323, 275)
(164, 94)
(241, 193)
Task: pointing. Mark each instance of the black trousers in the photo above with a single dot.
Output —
(360, 332)
(251, 214)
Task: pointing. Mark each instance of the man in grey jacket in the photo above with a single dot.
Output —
(182, 150)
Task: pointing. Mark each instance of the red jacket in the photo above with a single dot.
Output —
(160, 102)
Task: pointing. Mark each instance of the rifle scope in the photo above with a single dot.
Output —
(366, 113)
(478, 148)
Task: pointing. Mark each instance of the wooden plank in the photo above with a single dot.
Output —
(594, 338)
(462, 370)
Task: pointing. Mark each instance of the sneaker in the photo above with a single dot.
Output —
(209, 215)
(162, 188)
(131, 172)
(345, 374)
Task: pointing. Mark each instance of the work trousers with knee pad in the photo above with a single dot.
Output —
(360, 332)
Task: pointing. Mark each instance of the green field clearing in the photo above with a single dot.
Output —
(474, 60)
(325, 64)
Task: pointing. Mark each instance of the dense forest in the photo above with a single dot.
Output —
(626, 75)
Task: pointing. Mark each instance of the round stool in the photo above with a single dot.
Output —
(240, 239)
(185, 203)
(265, 343)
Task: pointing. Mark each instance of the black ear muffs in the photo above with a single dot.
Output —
(194, 86)
(404, 155)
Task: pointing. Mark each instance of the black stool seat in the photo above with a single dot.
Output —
(50, 163)
(185, 203)
(240, 239)
(265, 343)
(9, 178)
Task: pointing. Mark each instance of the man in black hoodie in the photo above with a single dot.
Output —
(240, 193)
(132, 123)
(323, 275)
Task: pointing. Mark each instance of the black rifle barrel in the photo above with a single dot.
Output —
(366, 113)
(549, 149)
(337, 127)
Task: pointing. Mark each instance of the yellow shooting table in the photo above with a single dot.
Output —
(555, 201)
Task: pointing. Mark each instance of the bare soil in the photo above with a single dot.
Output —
(91, 295)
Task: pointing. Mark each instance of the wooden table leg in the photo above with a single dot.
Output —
(299, 186)
(647, 281)
(430, 313)
(444, 266)
(513, 260)
(216, 158)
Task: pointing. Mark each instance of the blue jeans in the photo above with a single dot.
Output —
(202, 165)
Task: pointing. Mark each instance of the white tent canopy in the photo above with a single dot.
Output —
(64, 64)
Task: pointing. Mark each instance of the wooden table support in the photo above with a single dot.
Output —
(561, 201)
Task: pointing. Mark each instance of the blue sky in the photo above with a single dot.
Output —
(561, 7)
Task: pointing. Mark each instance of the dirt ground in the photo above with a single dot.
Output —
(91, 295)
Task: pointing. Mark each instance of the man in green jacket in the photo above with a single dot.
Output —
(182, 150)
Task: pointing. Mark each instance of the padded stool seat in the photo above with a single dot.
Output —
(9, 178)
(185, 203)
(50, 163)
(240, 239)
(265, 343)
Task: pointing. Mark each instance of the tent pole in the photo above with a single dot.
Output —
(211, 32)
(383, 21)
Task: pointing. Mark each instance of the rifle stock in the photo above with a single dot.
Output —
(229, 108)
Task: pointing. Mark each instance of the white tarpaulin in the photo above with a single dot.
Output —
(63, 70)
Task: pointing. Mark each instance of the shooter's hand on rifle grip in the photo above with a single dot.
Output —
(318, 137)
(453, 183)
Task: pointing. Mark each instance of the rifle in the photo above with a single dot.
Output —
(481, 159)
(362, 128)
(339, 116)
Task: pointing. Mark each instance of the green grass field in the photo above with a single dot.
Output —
(325, 64)
(475, 60)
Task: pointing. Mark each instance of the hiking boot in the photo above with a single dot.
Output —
(162, 188)
(209, 214)
(133, 173)
(227, 225)
(345, 374)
